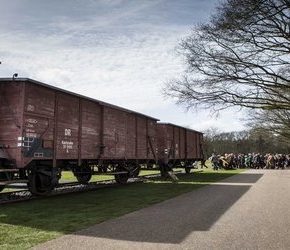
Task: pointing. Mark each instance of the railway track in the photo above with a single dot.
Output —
(68, 188)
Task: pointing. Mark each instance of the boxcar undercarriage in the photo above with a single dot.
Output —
(41, 177)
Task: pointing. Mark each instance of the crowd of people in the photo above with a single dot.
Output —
(251, 160)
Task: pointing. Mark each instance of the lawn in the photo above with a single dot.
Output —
(68, 176)
(24, 225)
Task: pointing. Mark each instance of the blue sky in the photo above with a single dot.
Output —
(118, 51)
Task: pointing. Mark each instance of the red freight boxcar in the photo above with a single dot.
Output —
(178, 146)
(44, 129)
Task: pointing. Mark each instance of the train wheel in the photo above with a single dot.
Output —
(39, 184)
(149, 166)
(83, 174)
(42, 181)
(84, 178)
(121, 178)
(105, 169)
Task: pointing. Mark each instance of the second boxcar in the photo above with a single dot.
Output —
(178, 146)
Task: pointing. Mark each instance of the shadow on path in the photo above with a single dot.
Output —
(206, 177)
(250, 178)
(172, 220)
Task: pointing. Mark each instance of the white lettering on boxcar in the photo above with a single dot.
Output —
(33, 135)
(28, 130)
(67, 132)
(30, 108)
(67, 145)
(33, 121)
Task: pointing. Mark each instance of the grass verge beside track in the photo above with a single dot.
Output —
(24, 225)
(68, 176)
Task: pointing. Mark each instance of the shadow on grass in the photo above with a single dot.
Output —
(169, 222)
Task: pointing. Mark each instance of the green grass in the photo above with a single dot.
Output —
(68, 176)
(24, 225)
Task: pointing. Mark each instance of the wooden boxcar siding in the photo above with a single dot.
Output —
(151, 139)
(11, 99)
(194, 144)
(91, 127)
(67, 115)
(176, 143)
(185, 143)
(161, 141)
(114, 133)
(126, 135)
(200, 145)
(39, 100)
(131, 138)
(40, 116)
(117, 127)
(191, 144)
(170, 141)
(199, 148)
(38, 121)
(182, 146)
(141, 138)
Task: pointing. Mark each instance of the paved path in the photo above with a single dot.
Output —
(246, 211)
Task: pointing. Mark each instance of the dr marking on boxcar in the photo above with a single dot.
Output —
(44, 130)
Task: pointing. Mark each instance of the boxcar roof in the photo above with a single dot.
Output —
(171, 124)
(74, 94)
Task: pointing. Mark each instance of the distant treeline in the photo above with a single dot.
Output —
(255, 140)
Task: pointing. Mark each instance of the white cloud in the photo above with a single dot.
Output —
(140, 65)
(118, 56)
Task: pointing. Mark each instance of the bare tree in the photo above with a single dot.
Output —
(240, 58)
(247, 141)
(275, 121)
